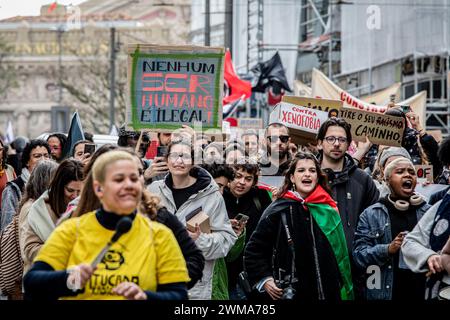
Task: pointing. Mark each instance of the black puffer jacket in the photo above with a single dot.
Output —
(248, 206)
(195, 261)
(307, 237)
(354, 191)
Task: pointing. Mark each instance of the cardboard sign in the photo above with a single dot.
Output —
(303, 123)
(379, 128)
(424, 172)
(250, 123)
(330, 106)
(174, 85)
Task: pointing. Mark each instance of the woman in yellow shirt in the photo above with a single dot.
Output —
(144, 263)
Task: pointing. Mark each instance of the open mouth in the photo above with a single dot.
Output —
(307, 182)
(407, 185)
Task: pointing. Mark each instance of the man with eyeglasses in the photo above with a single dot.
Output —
(35, 151)
(353, 189)
(276, 162)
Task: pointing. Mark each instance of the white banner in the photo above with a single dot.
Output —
(325, 88)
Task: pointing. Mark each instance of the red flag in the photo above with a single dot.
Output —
(236, 87)
(52, 7)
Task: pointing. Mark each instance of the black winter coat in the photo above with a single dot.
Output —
(246, 205)
(354, 191)
(195, 261)
(308, 240)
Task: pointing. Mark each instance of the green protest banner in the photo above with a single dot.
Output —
(174, 85)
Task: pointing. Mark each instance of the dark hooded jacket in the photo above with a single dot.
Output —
(269, 240)
(353, 191)
(247, 204)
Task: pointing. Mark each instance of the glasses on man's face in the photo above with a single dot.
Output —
(273, 139)
(332, 140)
(185, 157)
(40, 155)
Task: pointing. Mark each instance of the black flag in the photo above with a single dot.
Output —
(270, 73)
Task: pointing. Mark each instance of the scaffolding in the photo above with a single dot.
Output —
(255, 30)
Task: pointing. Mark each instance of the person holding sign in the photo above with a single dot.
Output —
(142, 256)
(381, 230)
(188, 190)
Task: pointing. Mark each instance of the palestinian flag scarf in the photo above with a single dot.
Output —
(324, 211)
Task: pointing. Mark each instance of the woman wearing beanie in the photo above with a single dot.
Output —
(380, 233)
(385, 157)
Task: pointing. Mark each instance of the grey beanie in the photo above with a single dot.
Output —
(391, 152)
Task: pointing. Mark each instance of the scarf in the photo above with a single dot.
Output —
(326, 214)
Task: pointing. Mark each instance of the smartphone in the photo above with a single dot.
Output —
(89, 148)
(161, 151)
(241, 218)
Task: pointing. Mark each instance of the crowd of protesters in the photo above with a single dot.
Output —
(345, 222)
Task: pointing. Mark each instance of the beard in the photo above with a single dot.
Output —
(278, 154)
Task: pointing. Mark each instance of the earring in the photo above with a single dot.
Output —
(294, 188)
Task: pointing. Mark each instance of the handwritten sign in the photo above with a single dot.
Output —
(424, 172)
(174, 85)
(303, 123)
(250, 123)
(330, 106)
(379, 128)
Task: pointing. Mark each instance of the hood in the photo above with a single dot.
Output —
(204, 185)
(339, 177)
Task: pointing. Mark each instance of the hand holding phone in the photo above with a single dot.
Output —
(241, 218)
(89, 148)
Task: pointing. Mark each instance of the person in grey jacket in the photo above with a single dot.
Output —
(34, 151)
(379, 234)
(185, 189)
(422, 248)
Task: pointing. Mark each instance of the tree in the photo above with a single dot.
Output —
(7, 72)
(88, 84)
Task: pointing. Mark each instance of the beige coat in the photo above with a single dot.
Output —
(30, 239)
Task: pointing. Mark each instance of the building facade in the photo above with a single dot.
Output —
(72, 46)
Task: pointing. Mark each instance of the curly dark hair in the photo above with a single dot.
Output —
(26, 154)
(248, 167)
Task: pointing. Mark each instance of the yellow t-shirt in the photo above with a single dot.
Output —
(147, 255)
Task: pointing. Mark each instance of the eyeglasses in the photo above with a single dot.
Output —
(273, 139)
(332, 139)
(40, 155)
(184, 156)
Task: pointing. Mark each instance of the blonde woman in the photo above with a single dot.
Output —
(144, 263)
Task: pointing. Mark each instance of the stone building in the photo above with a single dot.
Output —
(83, 34)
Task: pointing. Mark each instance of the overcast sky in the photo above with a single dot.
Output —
(12, 8)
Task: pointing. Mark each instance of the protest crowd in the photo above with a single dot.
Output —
(321, 203)
(201, 217)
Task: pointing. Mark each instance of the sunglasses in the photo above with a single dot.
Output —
(273, 139)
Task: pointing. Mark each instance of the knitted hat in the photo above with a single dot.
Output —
(391, 152)
(391, 166)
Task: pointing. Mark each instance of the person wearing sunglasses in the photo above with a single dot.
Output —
(185, 189)
(276, 161)
(352, 188)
